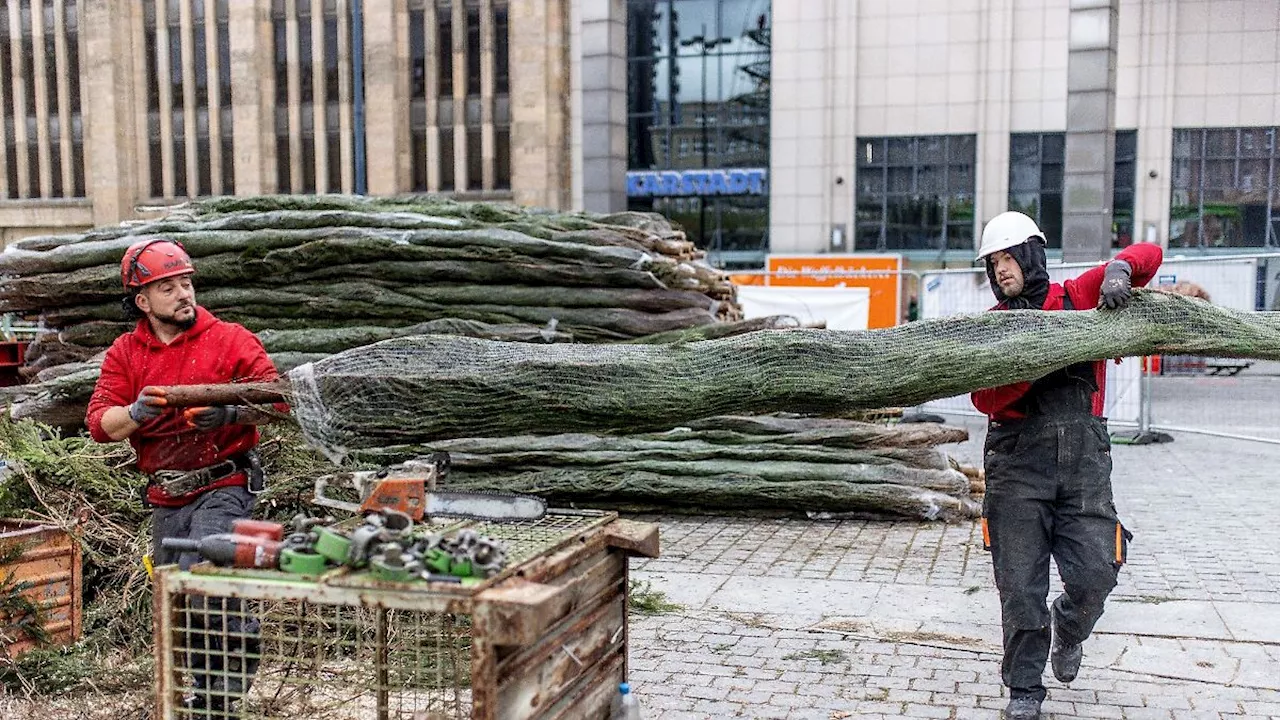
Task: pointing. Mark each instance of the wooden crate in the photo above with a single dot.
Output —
(546, 639)
(42, 570)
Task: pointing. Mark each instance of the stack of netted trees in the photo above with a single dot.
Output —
(725, 463)
(317, 275)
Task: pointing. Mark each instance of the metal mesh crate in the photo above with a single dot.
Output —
(544, 639)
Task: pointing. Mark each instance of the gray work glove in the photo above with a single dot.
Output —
(205, 419)
(1116, 286)
(148, 406)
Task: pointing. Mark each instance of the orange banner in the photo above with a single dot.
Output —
(878, 273)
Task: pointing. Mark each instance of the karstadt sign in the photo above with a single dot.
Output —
(677, 183)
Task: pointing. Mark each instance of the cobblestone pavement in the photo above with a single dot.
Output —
(796, 619)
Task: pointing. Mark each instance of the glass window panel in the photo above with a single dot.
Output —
(871, 181)
(900, 179)
(870, 210)
(1053, 147)
(417, 55)
(1024, 148)
(1124, 175)
(475, 160)
(960, 236)
(648, 28)
(1051, 218)
(1186, 143)
(961, 149)
(282, 162)
(228, 165)
(1256, 142)
(871, 152)
(1024, 177)
(1126, 144)
(960, 178)
(902, 151)
(180, 166)
(502, 157)
(1220, 174)
(304, 55)
(1027, 203)
(931, 180)
(1253, 178)
(444, 49)
(204, 169)
(692, 19)
(868, 237)
(502, 52)
(1050, 177)
(932, 149)
(446, 158)
(473, 51)
(1220, 143)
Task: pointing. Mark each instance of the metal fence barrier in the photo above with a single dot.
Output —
(1213, 396)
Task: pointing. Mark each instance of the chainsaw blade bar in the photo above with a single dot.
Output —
(485, 506)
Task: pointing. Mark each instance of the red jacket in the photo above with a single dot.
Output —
(1001, 403)
(212, 351)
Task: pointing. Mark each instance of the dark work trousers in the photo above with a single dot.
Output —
(1049, 494)
(222, 641)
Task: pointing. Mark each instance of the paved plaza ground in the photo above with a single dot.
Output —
(799, 619)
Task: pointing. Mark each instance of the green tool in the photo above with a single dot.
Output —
(441, 562)
(302, 562)
(332, 545)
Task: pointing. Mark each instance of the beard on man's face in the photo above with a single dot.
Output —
(179, 319)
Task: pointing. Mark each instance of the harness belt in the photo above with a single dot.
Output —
(184, 482)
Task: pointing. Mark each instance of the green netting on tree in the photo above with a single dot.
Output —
(417, 389)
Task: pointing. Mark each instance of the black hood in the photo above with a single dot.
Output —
(1035, 277)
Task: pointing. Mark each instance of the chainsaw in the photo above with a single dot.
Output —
(410, 488)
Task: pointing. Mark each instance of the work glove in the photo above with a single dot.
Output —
(205, 419)
(1116, 286)
(148, 406)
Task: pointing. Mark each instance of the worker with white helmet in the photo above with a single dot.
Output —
(1048, 466)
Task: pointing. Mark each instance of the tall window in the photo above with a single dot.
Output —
(189, 146)
(698, 97)
(42, 154)
(461, 131)
(1035, 182)
(1225, 189)
(915, 193)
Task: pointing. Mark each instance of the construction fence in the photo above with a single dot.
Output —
(1216, 396)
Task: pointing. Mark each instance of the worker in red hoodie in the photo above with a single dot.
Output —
(1048, 465)
(202, 462)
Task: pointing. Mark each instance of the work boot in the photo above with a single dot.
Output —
(1022, 708)
(1064, 658)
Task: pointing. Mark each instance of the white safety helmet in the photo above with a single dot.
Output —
(1007, 230)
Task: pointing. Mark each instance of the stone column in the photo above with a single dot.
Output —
(386, 97)
(112, 129)
(253, 97)
(541, 164)
(1089, 171)
(603, 71)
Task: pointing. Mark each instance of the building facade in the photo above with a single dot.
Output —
(113, 106)
(762, 126)
(902, 125)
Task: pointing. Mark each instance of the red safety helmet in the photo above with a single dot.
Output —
(150, 260)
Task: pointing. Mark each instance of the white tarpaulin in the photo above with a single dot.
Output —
(844, 308)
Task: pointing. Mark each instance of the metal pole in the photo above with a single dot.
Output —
(357, 93)
(702, 201)
(1144, 404)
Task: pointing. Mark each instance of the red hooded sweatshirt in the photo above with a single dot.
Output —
(1001, 403)
(212, 351)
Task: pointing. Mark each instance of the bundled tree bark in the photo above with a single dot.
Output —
(372, 267)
